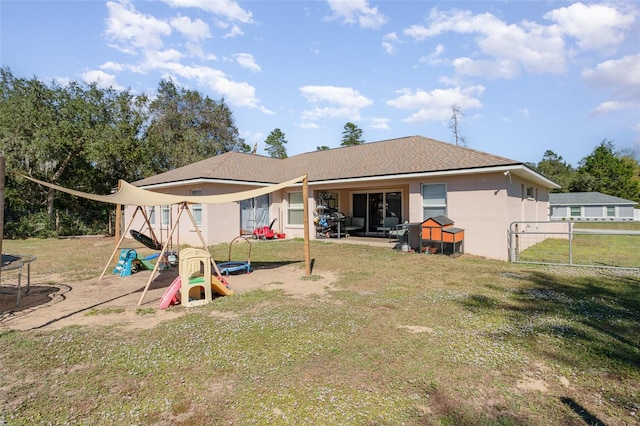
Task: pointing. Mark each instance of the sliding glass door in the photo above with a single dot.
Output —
(254, 214)
(375, 206)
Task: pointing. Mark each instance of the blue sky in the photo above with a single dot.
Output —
(528, 76)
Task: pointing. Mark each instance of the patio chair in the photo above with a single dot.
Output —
(400, 232)
(354, 225)
(389, 223)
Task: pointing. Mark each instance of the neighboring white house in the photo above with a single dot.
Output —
(411, 178)
(589, 206)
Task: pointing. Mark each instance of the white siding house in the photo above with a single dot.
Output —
(589, 206)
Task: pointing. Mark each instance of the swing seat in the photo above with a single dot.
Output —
(145, 240)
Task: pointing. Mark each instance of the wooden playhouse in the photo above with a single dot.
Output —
(438, 235)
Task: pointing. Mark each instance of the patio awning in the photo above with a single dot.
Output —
(131, 195)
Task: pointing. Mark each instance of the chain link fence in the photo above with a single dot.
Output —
(562, 243)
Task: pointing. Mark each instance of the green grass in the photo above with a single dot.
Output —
(633, 226)
(399, 339)
(591, 250)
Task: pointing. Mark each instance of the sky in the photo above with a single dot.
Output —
(526, 76)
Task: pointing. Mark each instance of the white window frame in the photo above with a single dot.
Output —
(610, 211)
(571, 211)
(436, 203)
(295, 207)
(151, 214)
(196, 209)
(165, 215)
(530, 194)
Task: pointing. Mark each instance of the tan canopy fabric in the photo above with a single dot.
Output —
(131, 195)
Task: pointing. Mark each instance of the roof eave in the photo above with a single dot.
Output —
(199, 181)
(517, 169)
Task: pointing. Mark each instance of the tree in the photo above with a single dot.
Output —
(454, 125)
(49, 132)
(322, 148)
(186, 127)
(553, 167)
(275, 143)
(606, 171)
(351, 135)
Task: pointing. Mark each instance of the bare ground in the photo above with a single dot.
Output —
(53, 306)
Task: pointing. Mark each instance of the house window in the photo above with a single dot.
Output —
(611, 211)
(576, 211)
(151, 214)
(530, 192)
(434, 200)
(197, 208)
(295, 208)
(164, 215)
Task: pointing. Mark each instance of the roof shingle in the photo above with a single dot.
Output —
(407, 155)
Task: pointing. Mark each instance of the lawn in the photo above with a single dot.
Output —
(621, 251)
(398, 339)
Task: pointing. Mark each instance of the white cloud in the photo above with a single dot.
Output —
(113, 66)
(504, 50)
(357, 11)
(236, 93)
(436, 104)
(235, 31)
(308, 125)
(130, 30)
(619, 76)
(227, 9)
(389, 42)
(195, 31)
(379, 123)
(623, 73)
(434, 57)
(247, 61)
(142, 36)
(101, 78)
(488, 68)
(595, 26)
(347, 101)
(345, 96)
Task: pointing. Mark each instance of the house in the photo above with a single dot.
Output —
(589, 206)
(413, 178)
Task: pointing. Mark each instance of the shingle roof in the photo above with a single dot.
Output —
(412, 154)
(584, 198)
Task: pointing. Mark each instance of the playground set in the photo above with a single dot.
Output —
(199, 275)
(197, 280)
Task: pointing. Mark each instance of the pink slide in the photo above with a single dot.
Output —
(218, 284)
(169, 296)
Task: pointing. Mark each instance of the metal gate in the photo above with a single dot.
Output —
(570, 244)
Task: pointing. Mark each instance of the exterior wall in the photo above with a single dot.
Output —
(592, 212)
(220, 222)
(484, 205)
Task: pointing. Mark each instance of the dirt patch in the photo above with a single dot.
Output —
(114, 299)
(415, 329)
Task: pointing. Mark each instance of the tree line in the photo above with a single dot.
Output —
(605, 170)
(86, 137)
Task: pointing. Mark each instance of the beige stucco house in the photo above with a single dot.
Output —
(413, 178)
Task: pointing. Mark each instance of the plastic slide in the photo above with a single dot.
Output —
(170, 294)
(169, 297)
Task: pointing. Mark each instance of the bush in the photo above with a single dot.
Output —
(29, 225)
(25, 224)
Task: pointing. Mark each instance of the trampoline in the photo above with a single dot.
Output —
(231, 266)
(16, 262)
